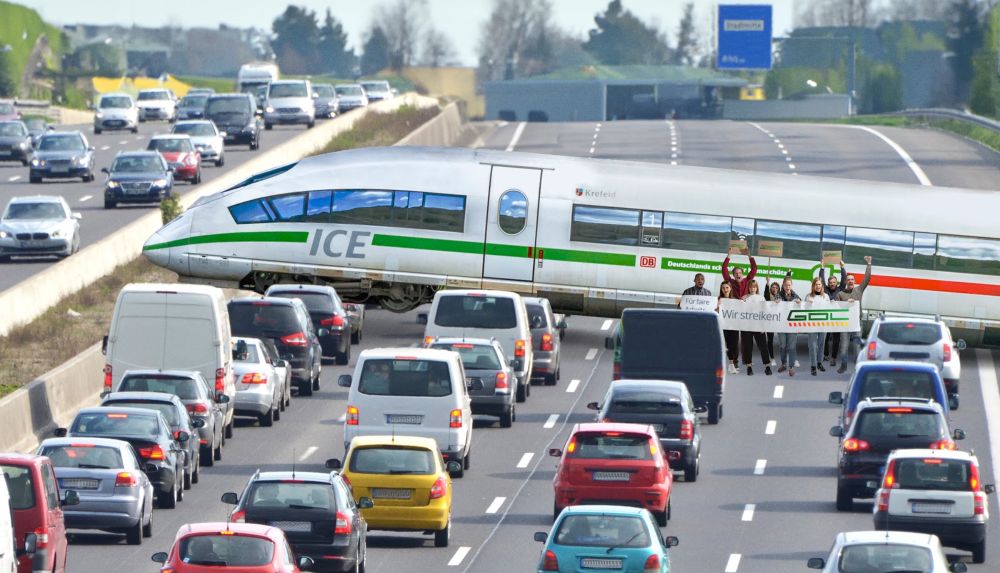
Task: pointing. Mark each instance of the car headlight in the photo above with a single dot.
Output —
(56, 234)
(81, 161)
(22, 144)
(4, 234)
(98, 115)
(113, 185)
(269, 109)
(191, 160)
(38, 163)
(160, 183)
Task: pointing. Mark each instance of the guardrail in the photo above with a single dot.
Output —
(954, 114)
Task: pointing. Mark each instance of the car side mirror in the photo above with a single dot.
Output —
(221, 399)
(150, 468)
(555, 452)
(816, 563)
(30, 545)
(104, 344)
(953, 402)
(70, 497)
(182, 437)
(105, 393)
(422, 318)
(561, 325)
(60, 432)
(322, 332)
(198, 423)
(593, 406)
(231, 498)
(76, 216)
(836, 398)
(160, 557)
(223, 134)
(959, 434)
(958, 567)
(333, 464)
(454, 468)
(837, 432)
(366, 503)
(516, 364)
(344, 381)
(541, 536)
(90, 148)
(671, 541)
(306, 563)
(990, 488)
(105, 170)
(961, 345)
(609, 343)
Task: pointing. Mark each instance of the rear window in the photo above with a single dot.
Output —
(898, 423)
(272, 320)
(897, 384)
(183, 388)
(83, 456)
(21, 486)
(932, 473)
(226, 550)
(474, 357)
(470, 311)
(292, 495)
(911, 333)
(670, 342)
(168, 411)
(646, 403)
(251, 356)
(314, 301)
(611, 446)
(602, 531)
(393, 461)
(885, 557)
(114, 424)
(391, 377)
(536, 316)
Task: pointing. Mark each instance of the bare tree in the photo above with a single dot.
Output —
(918, 10)
(438, 49)
(403, 23)
(856, 13)
(517, 39)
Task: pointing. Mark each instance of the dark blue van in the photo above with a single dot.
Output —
(893, 379)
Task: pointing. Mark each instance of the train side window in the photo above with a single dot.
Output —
(512, 215)
(652, 222)
(290, 208)
(605, 225)
(889, 248)
(442, 212)
(318, 206)
(362, 207)
(834, 237)
(743, 230)
(799, 241)
(690, 232)
(924, 246)
(250, 212)
(968, 255)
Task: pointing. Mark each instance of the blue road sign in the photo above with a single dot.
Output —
(744, 37)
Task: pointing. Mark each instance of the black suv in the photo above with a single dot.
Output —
(665, 405)
(327, 314)
(284, 321)
(315, 510)
(236, 115)
(880, 426)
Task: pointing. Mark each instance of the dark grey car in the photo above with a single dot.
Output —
(546, 335)
(489, 378)
(15, 142)
(62, 154)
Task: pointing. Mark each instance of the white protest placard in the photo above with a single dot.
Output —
(698, 302)
(764, 316)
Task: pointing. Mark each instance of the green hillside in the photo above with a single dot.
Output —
(20, 28)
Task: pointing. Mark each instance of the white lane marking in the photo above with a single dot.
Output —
(598, 125)
(514, 140)
(781, 146)
(748, 512)
(991, 403)
(917, 171)
(123, 142)
(673, 156)
(771, 426)
(789, 159)
(595, 136)
(779, 391)
(784, 152)
(792, 166)
(309, 451)
(734, 563)
(86, 198)
(759, 467)
(342, 417)
(673, 163)
(606, 324)
(14, 178)
(495, 506)
(138, 137)
(573, 385)
(105, 147)
(592, 150)
(459, 555)
(590, 354)
(525, 460)
(551, 422)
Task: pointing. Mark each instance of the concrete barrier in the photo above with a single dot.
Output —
(443, 130)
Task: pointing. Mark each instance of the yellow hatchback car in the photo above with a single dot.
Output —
(407, 479)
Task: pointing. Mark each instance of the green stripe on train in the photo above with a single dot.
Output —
(242, 237)
(715, 267)
(425, 244)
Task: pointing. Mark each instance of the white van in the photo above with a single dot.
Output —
(8, 547)
(496, 314)
(172, 327)
(410, 392)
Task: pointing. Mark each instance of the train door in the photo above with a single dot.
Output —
(511, 223)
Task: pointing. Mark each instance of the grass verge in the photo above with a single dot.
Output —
(33, 349)
(220, 85)
(381, 129)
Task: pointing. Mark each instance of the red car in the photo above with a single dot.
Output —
(244, 547)
(35, 501)
(614, 464)
(181, 155)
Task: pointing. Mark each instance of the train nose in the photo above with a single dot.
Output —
(165, 247)
(156, 251)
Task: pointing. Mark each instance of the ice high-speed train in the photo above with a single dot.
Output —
(394, 225)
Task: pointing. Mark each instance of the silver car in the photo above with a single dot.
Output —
(39, 225)
(289, 102)
(350, 96)
(547, 330)
(885, 551)
(206, 138)
(157, 103)
(377, 90)
(260, 389)
(115, 493)
(920, 339)
(489, 378)
(325, 100)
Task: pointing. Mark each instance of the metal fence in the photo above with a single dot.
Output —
(944, 113)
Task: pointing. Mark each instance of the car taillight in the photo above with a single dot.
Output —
(519, 346)
(352, 416)
(547, 342)
(254, 378)
(616, 371)
(979, 503)
(295, 339)
(872, 350)
(238, 516)
(720, 375)
(126, 479)
(946, 350)
(335, 320)
(220, 380)
(41, 537)
(343, 525)
(197, 408)
(550, 563)
(973, 477)
(439, 488)
(152, 453)
(107, 377)
(889, 479)
(428, 340)
(687, 430)
(856, 445)
(943, 444)
(883, 500)
(455, 419)
(652, 564)
(571, 446)
(501, 383)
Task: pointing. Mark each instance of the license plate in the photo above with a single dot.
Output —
(931, 507)
(611, 476)
(302, 526)
(80, 483)
(136, 191)
(871, 484)
(597, 563)
(659, 428)
(403, 419)
(60, 169)
(391, 493)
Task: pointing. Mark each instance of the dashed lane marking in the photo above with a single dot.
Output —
(590, 354)
(551, 422)
(759, 467)
(573, 385)
(733, 564)
(123, 142)
(496, 505)
(591, 150)
(516, 137)
(14, 178)
(342, 417)
(459, 555)
(771, 426)
(105, 147)
(309, 451)
(779, 391)
(86, 198)
(606, 324)
(748, 512)
(525, 460)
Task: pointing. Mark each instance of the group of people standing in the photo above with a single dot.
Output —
(822, 346)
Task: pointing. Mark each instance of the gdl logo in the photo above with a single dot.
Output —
(819, 317)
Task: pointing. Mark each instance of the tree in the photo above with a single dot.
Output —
(965, 38)
(917, 10)
(296, 40)
(855, 13)
(517, 40)
(375, 56)
(8, 79)
(438, 49)
(620, 38)
(686, 51)
(402, 23)
(985, 93)
(333, 51)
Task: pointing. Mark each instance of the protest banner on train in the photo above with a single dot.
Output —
(766, 316)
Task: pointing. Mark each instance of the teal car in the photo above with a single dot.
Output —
(596, 538)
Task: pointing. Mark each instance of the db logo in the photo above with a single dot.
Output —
(647, 262)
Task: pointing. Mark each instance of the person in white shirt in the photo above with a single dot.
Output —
(814, 340)
(749, 338)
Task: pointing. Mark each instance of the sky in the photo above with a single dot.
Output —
(460, 20)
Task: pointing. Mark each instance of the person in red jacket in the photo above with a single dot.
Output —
(740, 283)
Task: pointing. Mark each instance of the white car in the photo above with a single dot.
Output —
(350, 96)
(116, 111)
(289, 101)
(39, 225)
(377, 90)
(855, 551)
(261, 381)
(920, 339)
(157, 103)
(206, 138)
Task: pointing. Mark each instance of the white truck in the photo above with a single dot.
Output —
(256, 74)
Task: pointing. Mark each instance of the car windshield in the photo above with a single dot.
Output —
(61, 143)
(910, 333)
(114, 424)
(902, 422)
(375, 86)
(349, 90)
(288, 90)
(116, 102)
(20, 485)
(314, 301)
(198, 101)
(226, 550)
(610, 446)
(157, 95)
(230, 105)
(646, 403)
(885, 557)
(195, 129)
(137, 164)
(85, 456)
(393, 460)
(167, 409)
(475, 311)
(294, 495)
(324, 90)
(35, 123)
(170, 145)
(26, 211)
(183, 388)
(933, 473)
(474, 356)
(897, 384)
(405, 377)
(273, 320)
(602, 531)
(13, 128)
